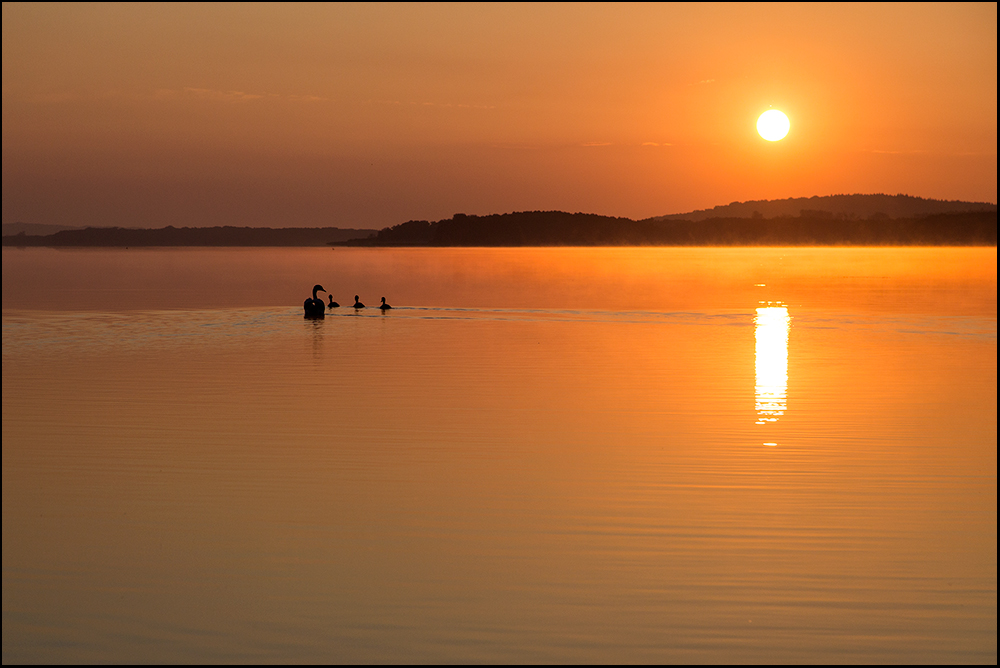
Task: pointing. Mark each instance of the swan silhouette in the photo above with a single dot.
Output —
(384, 306)
(357, 303)
(314, 307)
(332, 303)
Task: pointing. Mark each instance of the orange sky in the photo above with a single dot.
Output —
(367, 116)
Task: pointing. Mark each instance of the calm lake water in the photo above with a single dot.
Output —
(559, 455)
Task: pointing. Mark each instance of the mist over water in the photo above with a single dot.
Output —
(564, 455)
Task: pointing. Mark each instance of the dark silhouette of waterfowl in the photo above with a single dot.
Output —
(314, 307)
(384, 306)
(357, 302)
(332, 303)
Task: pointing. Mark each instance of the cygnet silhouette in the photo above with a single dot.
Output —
(384, 306)
(357, 302)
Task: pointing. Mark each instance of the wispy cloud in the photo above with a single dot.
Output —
(305, 98)
(516, 145)
(596, 143)
(887, 152)
(932, 153)
(443, 105)
(53, 98)
(222, 95)
(216, 95)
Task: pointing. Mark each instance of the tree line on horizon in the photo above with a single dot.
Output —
(558, 228)
(835, 220)
(838, 206)
(188, 236)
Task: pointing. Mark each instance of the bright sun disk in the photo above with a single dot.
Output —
(773, 125)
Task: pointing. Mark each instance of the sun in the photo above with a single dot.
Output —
(773, 125)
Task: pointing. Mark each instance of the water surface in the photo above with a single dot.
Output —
(563, 455)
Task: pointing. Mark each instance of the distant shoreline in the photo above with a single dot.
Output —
(116, 237)
(556, 228)
(832, 220)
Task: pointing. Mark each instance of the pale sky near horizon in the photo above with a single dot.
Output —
(371, 115)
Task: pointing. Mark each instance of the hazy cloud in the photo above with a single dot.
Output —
(214, 95)
(222, 95)
(875, 150)
(444, 105)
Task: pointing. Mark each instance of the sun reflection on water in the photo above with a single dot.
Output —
(771, 333)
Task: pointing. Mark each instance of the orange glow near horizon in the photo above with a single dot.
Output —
(370, 115)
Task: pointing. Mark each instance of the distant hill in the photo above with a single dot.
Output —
(523, 228)
(189, 236)
(837, 206)
(558, 228)
(35, 228)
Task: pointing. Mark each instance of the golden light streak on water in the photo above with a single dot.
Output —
(771, 356)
